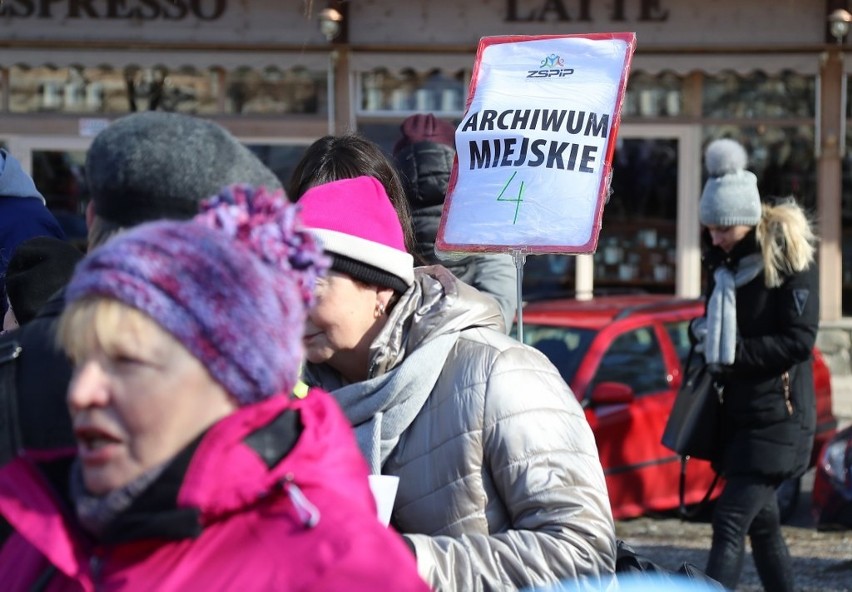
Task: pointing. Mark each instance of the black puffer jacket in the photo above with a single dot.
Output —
(777, 330)
(33, 413)
(426, 169)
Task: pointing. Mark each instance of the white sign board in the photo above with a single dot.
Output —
(534, 148)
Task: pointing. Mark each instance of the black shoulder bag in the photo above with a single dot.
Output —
(693, 428)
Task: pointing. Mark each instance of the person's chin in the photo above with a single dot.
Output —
(102, 479)
(315, 351)
(315, 356)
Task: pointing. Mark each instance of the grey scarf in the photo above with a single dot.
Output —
(96, 513)
(382, 408)
(721, 343)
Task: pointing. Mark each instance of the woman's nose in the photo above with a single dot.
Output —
(88, 386)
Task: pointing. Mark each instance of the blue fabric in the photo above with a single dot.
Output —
(14, 182)
(23, 215)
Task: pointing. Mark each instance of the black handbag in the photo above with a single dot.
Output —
(628, 562)
(693, 428)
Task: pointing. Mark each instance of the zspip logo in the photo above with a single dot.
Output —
(552, 61)
(551, 66)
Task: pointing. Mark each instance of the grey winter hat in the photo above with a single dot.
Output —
(155, 165)
(730, 196)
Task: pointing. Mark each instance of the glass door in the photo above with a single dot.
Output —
(649, 238)
(57, 166)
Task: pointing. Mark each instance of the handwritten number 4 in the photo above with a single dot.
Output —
(516, 200)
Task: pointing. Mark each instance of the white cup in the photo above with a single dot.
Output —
(384, 492)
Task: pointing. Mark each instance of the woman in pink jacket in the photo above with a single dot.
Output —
(197, 468)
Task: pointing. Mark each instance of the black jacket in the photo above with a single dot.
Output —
(34, 377)
(777, 327)
(426, 169)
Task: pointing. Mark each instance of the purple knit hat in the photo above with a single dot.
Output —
(233, 286)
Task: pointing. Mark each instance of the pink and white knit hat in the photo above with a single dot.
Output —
(358, 226)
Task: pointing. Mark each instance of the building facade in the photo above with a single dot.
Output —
(765, 72)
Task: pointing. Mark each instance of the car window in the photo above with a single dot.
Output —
(679, 334)
(634, 358)
(564, 346)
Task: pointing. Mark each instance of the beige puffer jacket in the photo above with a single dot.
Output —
(500, 484)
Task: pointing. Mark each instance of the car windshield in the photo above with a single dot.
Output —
(564, 346)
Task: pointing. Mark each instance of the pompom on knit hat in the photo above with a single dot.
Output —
(232, 285)
(425, 128)
(358, 226)
(730, 196)
(157, 165)
(39, 267)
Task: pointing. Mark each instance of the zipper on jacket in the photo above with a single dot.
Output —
(308, 513)
(785, 380)
(96, 566)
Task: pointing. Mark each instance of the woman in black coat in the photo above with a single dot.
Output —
(759, 331)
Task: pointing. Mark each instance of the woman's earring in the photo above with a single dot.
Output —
(380, 309)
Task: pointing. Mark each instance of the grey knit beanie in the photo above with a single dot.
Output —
(730, 196)
(155, 165)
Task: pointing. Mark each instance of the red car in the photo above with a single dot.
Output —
(622, 357)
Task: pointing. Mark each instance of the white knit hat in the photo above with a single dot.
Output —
(730, 196)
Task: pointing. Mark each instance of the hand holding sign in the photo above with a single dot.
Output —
(535, 144)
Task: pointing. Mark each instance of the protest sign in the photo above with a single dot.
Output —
(534, 147)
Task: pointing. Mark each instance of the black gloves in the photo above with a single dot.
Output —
(720, 372)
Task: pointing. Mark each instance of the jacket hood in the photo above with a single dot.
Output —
(438, 303)
(238, 458)
(14, 182)
(426, 169)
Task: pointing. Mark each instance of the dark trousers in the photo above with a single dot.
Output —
(748, 506)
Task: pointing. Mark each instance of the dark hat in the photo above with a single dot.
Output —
(39, 267)
(233, 286)
(155, 165)
(425, 128)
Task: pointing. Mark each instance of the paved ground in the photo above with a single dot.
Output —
(822, 561)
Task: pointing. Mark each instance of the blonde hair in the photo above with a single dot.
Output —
(787, 240)
(106, 323)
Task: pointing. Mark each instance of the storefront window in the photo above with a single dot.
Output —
(385, 132)
(786, 95)
(408, 91)
(280, 158)
(184, 90)
(846, 228)
(636, 246)
(61, 178)
(782, 158)
(105, 90)
(276, 91)
(653, 96)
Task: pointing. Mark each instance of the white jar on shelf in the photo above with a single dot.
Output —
(451, 100)
(400, 100)
(423, 100)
